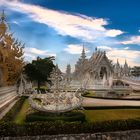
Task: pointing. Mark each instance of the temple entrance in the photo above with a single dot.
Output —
(103, 72)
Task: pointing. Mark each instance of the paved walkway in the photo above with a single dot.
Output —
(107, 102)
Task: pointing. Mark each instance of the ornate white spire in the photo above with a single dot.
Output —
(68, 73)
(125, 64)
(126, 68)
(118, 64)
(83, 55)
(117, 69)
(68, 70)
(56, 77)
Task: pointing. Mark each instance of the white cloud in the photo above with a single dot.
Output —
(36, 51)
(78, 26)
(15, 22)
(75, 49)
(132, 40)
(114, 33)
(126, 48)
(132, 56)
(32, 53)
(104, 47)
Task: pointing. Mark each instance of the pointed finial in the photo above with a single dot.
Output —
(83, 49)
(96, 49)
(117, 61)
(125, 61)
(83, 55)
(125, 64)
(3, 16)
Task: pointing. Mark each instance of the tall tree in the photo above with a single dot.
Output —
(135, 71)
(39, 70)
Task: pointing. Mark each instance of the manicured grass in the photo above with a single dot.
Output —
(42, 87)
(111, 114)
(21, 115)
(90, 94)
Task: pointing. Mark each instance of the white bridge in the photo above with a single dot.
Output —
(134, 83)
(130, 83)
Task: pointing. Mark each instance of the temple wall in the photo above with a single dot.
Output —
(7, 96)
(120, 135)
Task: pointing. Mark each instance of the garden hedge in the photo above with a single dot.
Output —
(9, 128)
(59, 127)
(69, 117)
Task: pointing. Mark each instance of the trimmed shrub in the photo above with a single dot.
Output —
(59, 127)
(69, 117)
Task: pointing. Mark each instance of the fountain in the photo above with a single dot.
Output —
(58, 99)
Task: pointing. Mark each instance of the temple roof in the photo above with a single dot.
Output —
(97, 58)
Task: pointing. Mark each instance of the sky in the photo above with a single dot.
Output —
(60, 28)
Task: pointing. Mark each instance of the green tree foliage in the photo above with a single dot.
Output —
(135, 71)
(39, 70)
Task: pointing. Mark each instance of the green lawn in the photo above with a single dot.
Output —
(42, 87)
(111, 114)
(21, 115)
(90, 94)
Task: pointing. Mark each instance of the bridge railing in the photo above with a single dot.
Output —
(7, 94)
(131, 79)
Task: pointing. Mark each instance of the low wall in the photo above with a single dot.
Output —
(122, 135)
(8, 95)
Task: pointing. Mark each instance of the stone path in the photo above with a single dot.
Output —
(108, 102)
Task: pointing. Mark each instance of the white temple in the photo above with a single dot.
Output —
(99, 67)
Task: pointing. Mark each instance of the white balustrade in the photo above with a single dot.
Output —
(7, 94)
